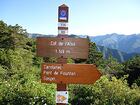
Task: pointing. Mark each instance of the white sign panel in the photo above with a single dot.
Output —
(63, 32)
(62, 97)
(62, 24)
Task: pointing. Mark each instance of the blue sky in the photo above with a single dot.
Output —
(87, 17)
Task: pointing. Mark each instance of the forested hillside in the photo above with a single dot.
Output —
(20, 82)
(119, 55)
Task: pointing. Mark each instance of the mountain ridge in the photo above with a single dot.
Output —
(119, 55)
(125, 43)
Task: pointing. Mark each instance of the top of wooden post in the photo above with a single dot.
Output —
(63, 5)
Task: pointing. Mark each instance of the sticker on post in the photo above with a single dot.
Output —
(62, 97)
(63, 15)
(62, 24)
(63, 32)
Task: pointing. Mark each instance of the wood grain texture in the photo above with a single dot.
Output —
(63, 47)
(70, 73)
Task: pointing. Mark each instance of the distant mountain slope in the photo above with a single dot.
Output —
(34, 35)
(119, 55)
(125, 43)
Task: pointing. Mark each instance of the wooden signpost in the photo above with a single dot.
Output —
(63, 47)
(69, 73)
(66, 47)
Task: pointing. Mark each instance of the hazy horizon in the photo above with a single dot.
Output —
(91, 35)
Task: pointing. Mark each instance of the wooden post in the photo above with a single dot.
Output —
(62, 33)
(61, 87)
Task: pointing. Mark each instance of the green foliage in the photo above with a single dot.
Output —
(115, 92)
(19, 73)
(132, 67)
(69, 60)
(105, 92)
(16, 60)
(94, 56)
(137, 81)
(21, 81)
(37, 61)
(3, 73)
(12, 37)
(111, 66)
(80, 94)
(26, 89)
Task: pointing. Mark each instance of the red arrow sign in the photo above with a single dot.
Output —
(70, 73)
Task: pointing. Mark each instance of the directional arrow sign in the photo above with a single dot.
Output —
(69, 73)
